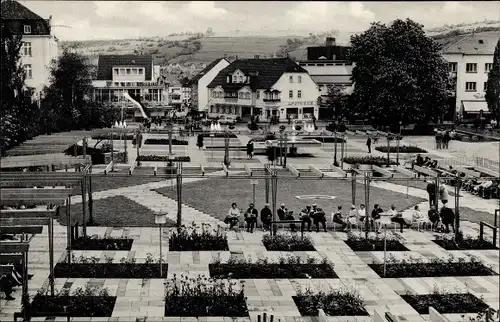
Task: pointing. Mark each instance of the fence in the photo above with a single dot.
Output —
(477, 161)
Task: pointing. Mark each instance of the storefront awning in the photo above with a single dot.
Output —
(475, 106)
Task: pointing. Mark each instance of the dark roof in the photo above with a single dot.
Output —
(205, 70)
(473, 44)
(267, 71)
(331, 52)
(14, 15)
(106, 63)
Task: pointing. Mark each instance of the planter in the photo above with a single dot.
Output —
(290, 243)
(195, 306)
(375, 245)
(165, 142)
(201, 245)
(102, 244)
(442, 269)
(108, 270)
(267, 271)
(308, 306)
(446, 303)
(347, 166)
(78, 306)
(365, 167)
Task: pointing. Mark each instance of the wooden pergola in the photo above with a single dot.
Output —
(17, 252)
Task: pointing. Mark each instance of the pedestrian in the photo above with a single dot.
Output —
(443, 194)
(446, 139)
(434, 218)
(250, 149)
(369, 144)
(266, 216)
(199, 142)
(431, 190)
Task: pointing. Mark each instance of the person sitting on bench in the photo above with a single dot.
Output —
(352, 217)
(282, 212)
(266, 216)
(251, 218)
(305, 217)
(233, 215)
(319, 216)
(6, 287)
(337, 218)
(397, 217)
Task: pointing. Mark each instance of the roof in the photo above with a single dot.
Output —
(267, 71)
(13, 10)
(334, 52)
(205, 70)
(473, 44)
(106, 62)
(475, 106)
(332, 79)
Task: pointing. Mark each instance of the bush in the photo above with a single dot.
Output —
(162, 158)
(102, 244)
(333, 302)
(402, 149)
(378, 161)
(288, 242)
(165, 142)
(375, 242)
(449, 242)
(192, 239)
(115, 137)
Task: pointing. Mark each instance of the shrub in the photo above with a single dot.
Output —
(378, 161)
(402, 149)
(162, 158)
(450, 242)
(375, 242)
(192, 239)
(288, 242)
(165, 142)
(101, 243)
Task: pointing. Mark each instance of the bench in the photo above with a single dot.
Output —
(283, 223)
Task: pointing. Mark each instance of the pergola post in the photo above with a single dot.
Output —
(91, 201)
(267, 184)
(125, 147)
(179, 198)
(170, 142)
(286, 150)
(367, 204)
(274, 188)
(112, 153)
(68, 226)
(353, 187)
(84, 205)
(458, 185)
(51, 252)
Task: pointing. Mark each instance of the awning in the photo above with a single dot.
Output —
(475, 106)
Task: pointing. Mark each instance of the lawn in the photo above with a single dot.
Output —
(214, 196)
(116, 211)
(109, 182)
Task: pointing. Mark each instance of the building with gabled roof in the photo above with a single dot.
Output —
(275, 87)
(470, 59)
(199, 83)
(39, 45)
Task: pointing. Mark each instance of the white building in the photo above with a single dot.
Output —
(470, 59)
(39, 46)
(199, 83)
(265, 87)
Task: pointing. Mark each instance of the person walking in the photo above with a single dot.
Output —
(199, 141)
(431, 190)
(369, 144)
(250, 149)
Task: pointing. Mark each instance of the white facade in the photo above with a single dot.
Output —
(327, 73)
(200, 92)
(471, 73)
(175, 95)
(37, 53)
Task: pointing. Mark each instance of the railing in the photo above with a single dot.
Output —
(494, 228)
(477, 161)
(272, 99)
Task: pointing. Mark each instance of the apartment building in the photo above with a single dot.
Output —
(179, 96)
(470, 59)
(199, 83)
(136, 75)
(39, 45)
(265, 87)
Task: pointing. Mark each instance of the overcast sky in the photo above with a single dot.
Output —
(130, 19)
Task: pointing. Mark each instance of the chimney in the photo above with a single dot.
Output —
(225, 55)
(330, 41)
(256, 56)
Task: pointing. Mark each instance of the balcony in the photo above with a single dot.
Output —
(272, 100)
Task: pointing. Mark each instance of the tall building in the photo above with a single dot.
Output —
(265, 87)
(470, 59)
(328, 65)
(39, 45)
(136, 75)
(199, 83)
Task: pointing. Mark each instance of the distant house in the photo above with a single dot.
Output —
(199, 83)
(39, 46)
(265, 87)
(136, 75)
(470, 59)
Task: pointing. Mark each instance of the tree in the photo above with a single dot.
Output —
(493, 85)
(399, 74)
(337, 101)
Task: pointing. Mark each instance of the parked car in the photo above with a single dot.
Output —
(227, 120)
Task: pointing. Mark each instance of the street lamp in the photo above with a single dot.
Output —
(161, 219)
(335, 163)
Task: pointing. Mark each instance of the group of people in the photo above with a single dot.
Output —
(250, 217)
(418, 160)
(10, 280)
(443, 138)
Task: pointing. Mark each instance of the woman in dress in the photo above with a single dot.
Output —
(233, 215)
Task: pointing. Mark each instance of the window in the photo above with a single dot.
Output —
(235, 78)
(141, 71)
(258, 95)
(29, 72)
(299, 94)
(470, 86)
(299, 79)
(290, 93)
(247, 96)
(128, 71)
(488, 67)
(290, 79)
(134, 71)
(485, 86)
(26, 49)
(27, 29)
(453, 67)
(240, 79)
(122, 71)
(115, 71)
(240, 95)
(471, 68)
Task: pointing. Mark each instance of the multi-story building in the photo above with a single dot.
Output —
(470, 59)
(179, 96)
(135, 74)
(199, 83)
(39, 45)
(328, 65)
(265, 87)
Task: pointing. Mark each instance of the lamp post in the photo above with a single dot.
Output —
(335, 163)
(161, 219)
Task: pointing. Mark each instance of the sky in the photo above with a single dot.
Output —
(87, 20)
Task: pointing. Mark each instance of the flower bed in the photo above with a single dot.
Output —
(449, 242)
(82, 303)
(192, 239)
(375, 242)
(288, 242)
(162, 158)
(165, 142)
(204, 296)
(115, 137)
(324, 139)
(219, 135)
(378, 161)
(102, 244)
(288, 267)
(415, 267)
(402, 149)
(333, 302)
(446, 303)
(90, 267)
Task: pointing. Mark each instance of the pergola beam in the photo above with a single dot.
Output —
(316, 171)
(23, 229)
(384, 172)
(293, 170)
(30, 183)
(426, 171)
(4, 214)
(403, 171)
